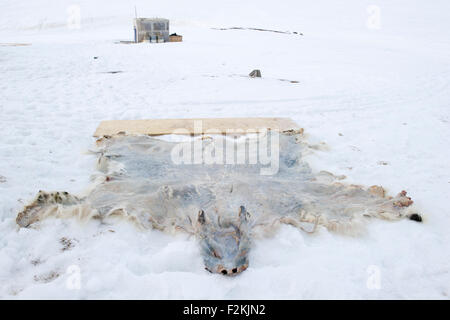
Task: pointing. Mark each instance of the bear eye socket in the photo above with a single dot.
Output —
(216, 254)
(213, 252)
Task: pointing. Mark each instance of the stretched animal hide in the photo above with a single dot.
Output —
(191, 186)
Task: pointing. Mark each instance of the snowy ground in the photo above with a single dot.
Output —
(372, 94)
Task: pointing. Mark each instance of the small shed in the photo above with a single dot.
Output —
(151, 29)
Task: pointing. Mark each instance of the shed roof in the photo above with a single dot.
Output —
(153, 19)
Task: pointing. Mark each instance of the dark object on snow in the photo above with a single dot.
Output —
(95, 57)
(415, 217)
(255, 73)
(259, 29)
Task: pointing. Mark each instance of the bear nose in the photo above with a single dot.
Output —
(228, 272)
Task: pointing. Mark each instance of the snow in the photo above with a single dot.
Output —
(372, 95)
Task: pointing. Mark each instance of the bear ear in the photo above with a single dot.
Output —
(201, 217)
(243, 214)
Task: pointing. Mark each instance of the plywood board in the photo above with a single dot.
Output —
(175, 38)
(155, 127)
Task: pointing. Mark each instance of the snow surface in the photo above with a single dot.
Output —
(373, 95)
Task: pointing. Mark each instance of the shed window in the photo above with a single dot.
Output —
(159, 26)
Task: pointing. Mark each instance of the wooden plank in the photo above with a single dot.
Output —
(155, 127)
(176, 38)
